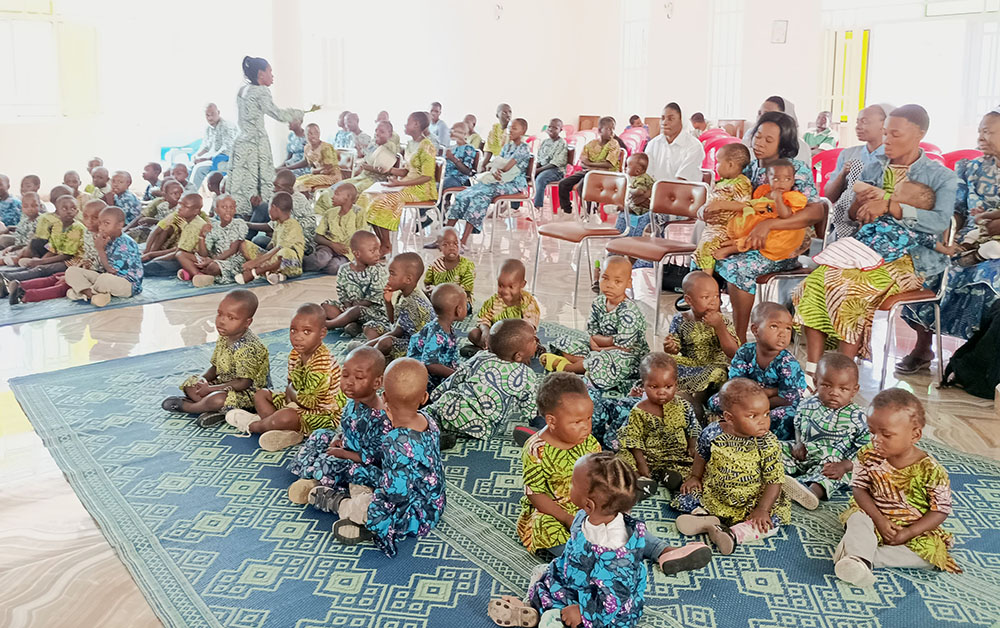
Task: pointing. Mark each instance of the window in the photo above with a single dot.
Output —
(633, 90)
(29, 61)
(726, 63)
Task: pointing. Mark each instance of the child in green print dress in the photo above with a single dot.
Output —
(510, 301)
(451, 267)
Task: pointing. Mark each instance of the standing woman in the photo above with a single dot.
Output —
(775, 136)
(251, 172)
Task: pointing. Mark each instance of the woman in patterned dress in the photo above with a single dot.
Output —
(775, 136)
(251, 171)
(842, 303)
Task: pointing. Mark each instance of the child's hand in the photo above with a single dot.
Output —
(571, 616)
(338, 452)
(387, 294)
(949, 250)
(338, 441)
(202, 388)
(100, 241)
(902, 536)
(836, 470)
(887, 529)
(799, 451)
(206, 228)
(714, 318)
(760, 519)
(691, 484)
(671, 346)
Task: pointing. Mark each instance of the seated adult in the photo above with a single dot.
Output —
(971, 290)
(850, 163)
(775, 136)
(777, 103)
(842, 303)
(220, 135)
(674, 154)
(822, 138)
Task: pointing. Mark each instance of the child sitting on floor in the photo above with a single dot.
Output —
(219, 255)
(610, 356)
(775, 199)
(829, 430)
(140, 228)
(10, 209)
(360, 288)
(240, 365)
(547, 512)
(407, 307)
(336, 228)
(451, 267)
(151, 175)
(63, 246)
(47, 223)
(510, 301)
(901, 497)
(729, 196)
(123, 197)
(120, 260)
(332, 467)
(284, 259)
(409, 495)
(312, 399)
(658, 441)
(640, 187)
(100, 185)
(769, 363)
(436, 344)
(733, 492)
(31, 206)
(180, 173)
(702, 340)
(178, 232)
(491, 388)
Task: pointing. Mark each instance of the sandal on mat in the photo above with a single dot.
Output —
(510, 611)
(553, 362)
(350, 533)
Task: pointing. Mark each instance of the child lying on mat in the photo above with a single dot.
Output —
(239, 367)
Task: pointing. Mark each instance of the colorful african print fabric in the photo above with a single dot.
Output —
(243, 358)
(663, 440)
(701, 364)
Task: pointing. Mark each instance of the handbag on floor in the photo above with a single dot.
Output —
(974, 367)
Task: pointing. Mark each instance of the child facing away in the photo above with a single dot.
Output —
(702, 341)
(409, 493)
(360, 288)
(902, 495)
(336, 228)
(599, 579)
(659, 438)
(407, 307)
(733, 492)
(120, 260)
(451, 267)
(510, 301)
(311, 400)
(239, 366)
(141, 227)
(609, 358)
(634, 220)
(550, 165)
(775, 199)
(730, 195)
(436, 344)
(218, 257)
(829, 430)
(284, 258)
(18, 238)
(768, 362)
(490, 389)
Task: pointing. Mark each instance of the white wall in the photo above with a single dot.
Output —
(679, 56)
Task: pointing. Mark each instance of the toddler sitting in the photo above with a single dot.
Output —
(436, 344)
(510, 301)
(451, 267)
(729, 196)
(640, 187)
(407, 308)
(360, 288)
(312, 398)
(239, 365)
(901, 497)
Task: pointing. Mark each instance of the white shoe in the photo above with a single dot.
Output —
(800, 493)
(241, 419)
(275, 278)
(240, 280)
(853, 570)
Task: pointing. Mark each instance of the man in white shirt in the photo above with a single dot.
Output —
(674, 154)
(438, 130)
(220, 135)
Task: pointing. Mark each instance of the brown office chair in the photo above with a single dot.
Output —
(504, 200)
(599, 186)
(670, 198)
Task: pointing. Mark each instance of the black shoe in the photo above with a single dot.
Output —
(673, 481)
(173, 404)
(3, 287)
(16, 292)
(210, 419)
(646, 488)
(522, 434)
(681, 305)
(596, 287)
(448, 440)
(432, 245)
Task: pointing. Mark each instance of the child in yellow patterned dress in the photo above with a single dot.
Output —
(510, 301)
(239, 368)
(179, 231)
(730, 194)
(451, 267)
(287, 246)
(312, 399)
(321, 158)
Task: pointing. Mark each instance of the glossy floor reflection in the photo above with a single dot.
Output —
(57, 570)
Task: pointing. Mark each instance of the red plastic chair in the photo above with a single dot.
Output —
(950, 159)
(708, 134)
(712, 146)
(824, 163)
(639, 133)
(632, 143)
(936, 157)
(930, 148)
(569, 129)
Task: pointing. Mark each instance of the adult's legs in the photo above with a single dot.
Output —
(199, 171)
(742, 305)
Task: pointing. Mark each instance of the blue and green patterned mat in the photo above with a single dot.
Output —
(202, 521)
(154, 290)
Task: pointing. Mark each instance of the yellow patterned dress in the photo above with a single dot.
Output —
(245, 357)
(464, 274)
(384, 210)
(494, 309)
(738, 189)
(319, 157)
(318, 398)
(701, 364)
(663, 440)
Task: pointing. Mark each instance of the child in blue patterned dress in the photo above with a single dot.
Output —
(436, 345)
(332, 466)
(24, 231)
(769, 363)
(460, 159)
(360, 288)
(409, 495)
(406, 306)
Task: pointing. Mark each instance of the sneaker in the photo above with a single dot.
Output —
(510, 611)
(645, 488)
(854, 570)
(210, 419)
(681, 305)
(100, 299)
(173, 404)
(325, 498)
(352, 329)
(688, 558)
(73, 295)
(349, 533)
(202, 281)
(276, 440)
(800, 493)
(275, 278)
(241, 419)
(298, 492)
(240, 279)
(689, 525)
(596, 286)
(16, 292)
(433, 245)
(522, 434)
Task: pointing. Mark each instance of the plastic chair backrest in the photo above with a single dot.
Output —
(605, 188)
(569, 129)
(823, 163)
(708, 134)
(930, 148)
(952, 158)
(632, 143)
(678, 198)
(708, 176)
(712, 146)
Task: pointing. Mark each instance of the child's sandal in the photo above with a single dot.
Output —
(552, 362)
(350, 533)
(510, 611)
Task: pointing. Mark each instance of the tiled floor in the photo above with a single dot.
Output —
(57, 570)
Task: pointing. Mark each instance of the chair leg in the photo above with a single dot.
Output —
(538, 253)
(937, 333)
(888, 345)
(493, 230)
(576, 284)
(590, 262)
(658, 270)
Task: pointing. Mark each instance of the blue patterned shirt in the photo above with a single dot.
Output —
(978, 186)
(433, 345)
(10, 211)
(783, 373)
(465, 154)
(521, 154)
(129, 203)
(125, 260)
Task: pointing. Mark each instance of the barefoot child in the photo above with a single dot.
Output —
(902, 495)
(219, 255)
(239, 367)
(490, 389)
(733, 492)
(510, 301)
(407, 307)
(360, 288)
(336, 228)
(829, 430)
(702, 340)
(659, 439)
(284, 259)
(769, 363)
(451, 267)
(311, 400)
(409, 495)
(436, 345)
(120, 260)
